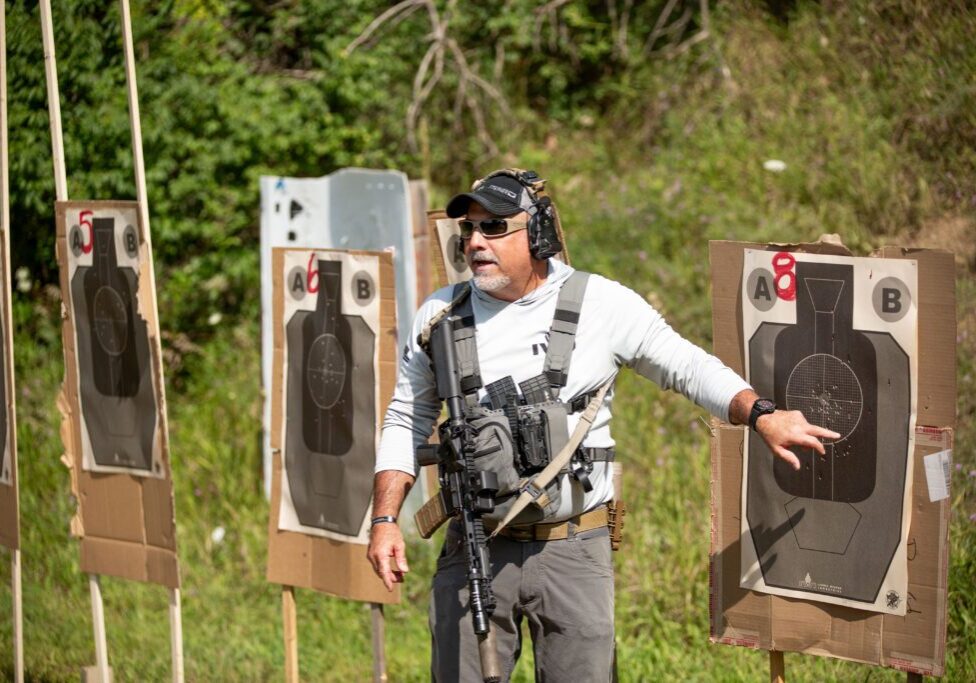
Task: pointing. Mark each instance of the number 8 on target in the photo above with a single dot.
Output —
(783, 264)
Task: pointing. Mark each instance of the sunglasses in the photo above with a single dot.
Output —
(490, 227)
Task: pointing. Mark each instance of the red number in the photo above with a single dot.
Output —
(84, 222)
(311, 275)
(783, 264)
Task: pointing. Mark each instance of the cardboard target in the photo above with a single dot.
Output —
(450, 248)
(334, 367)
(330, 393)
(330, 404)
(822, 339)
(112, 401)
(118, 399)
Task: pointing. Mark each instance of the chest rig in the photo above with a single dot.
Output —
(528, 415)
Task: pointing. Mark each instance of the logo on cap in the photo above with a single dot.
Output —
(503, 191)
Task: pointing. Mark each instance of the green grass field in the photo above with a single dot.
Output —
(877, 148)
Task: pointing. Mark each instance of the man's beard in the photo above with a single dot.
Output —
(489, 283)
(492, 283)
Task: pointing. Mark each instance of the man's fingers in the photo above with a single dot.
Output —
(811, 442)
(822, 432)
(400, 558)
(387, 554)
(788, 456)
(384, 572)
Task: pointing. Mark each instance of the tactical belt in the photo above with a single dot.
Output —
(557, 531)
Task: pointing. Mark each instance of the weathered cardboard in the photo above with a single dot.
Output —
(444, 234)
(9, 503)
(303, 560)
(914, 642)
(421, 240)
(126, 523)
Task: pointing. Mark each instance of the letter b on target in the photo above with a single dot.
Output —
(891, 299)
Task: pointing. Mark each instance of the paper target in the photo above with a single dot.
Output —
(331, 320)
(117, 396)
(822, 338)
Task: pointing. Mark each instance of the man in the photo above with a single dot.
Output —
(564, 587)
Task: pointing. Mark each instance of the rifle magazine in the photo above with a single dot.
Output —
(431, 516)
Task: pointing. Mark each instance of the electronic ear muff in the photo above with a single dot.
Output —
(543, 236)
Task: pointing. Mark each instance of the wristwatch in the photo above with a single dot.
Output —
(762, 406)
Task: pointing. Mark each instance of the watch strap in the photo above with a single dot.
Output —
(760, 407)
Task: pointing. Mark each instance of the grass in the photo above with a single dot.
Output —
(878, 138)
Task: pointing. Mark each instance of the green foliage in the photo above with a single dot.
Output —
(217, 112)
(870, 105)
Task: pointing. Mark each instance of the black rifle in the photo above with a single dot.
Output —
(465, 493)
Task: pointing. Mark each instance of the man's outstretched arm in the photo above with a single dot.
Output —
(387, 552)
(781, 429)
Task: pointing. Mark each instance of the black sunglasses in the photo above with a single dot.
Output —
(490, 227)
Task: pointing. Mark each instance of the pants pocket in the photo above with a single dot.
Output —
(595, 552)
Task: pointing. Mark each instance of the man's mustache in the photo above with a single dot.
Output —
(482, 257)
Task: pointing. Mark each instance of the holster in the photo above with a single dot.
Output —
(615, 522)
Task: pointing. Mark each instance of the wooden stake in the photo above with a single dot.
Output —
(289, 618)
(135, 121)
(379, 637)
(777, 668)
(139, 170)
(5, 219)
(53, 103)
(100, 671)
(176, 634)
(18, 619)
(98, 623)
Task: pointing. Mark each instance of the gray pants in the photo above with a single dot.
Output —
(563, 588)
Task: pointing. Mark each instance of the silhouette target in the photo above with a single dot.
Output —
(331, 414)
(117, 397)
(833, 525)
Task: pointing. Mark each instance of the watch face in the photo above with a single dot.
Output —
(764, 405)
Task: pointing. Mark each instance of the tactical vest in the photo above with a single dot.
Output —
(520, 429)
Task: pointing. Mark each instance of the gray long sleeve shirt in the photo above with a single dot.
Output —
(616, 328)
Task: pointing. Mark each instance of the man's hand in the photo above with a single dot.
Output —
(387, 553)
(785, 428)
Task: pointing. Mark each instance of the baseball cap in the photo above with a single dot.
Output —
(500, 194)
